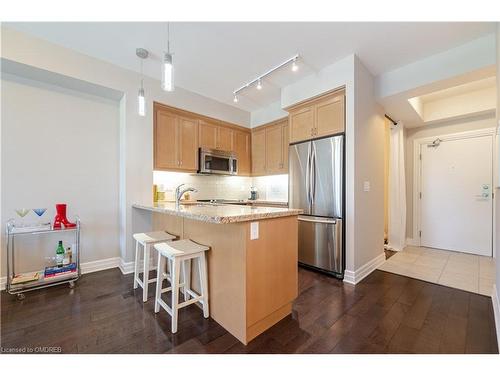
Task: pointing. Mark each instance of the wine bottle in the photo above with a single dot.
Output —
(60, 254)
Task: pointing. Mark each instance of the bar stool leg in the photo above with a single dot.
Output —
(175, 292)
(159, 281)
(187, 278)
(145, 277)
(202, 264)
(136, 266)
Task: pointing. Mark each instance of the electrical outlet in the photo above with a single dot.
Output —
(366, 186)
(254, 230)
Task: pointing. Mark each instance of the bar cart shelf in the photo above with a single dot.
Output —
(12, 233)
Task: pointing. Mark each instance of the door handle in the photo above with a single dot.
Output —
(319, 221)
(484, 195)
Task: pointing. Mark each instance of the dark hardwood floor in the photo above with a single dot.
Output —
(385, 313)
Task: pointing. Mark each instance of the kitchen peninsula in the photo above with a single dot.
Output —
(252, 262)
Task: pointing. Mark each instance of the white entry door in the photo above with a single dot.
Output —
(456, 208)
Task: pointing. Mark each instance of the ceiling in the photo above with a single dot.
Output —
(213, 59)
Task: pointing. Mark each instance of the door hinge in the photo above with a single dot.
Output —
(420, 195)
(420, 156)
(420, 233)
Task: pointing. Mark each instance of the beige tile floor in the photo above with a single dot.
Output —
(473, 273)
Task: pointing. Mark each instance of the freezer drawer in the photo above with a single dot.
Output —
(320, 243)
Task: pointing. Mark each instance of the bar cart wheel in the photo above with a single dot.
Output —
(20, 296)
(71, 284)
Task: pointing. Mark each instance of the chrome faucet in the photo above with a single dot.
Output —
(180, 192)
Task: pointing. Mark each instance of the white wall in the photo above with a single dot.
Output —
(433, 131)
(497, 195)
(369, 167)
(60, 146)
(136, 134)
(267, 114)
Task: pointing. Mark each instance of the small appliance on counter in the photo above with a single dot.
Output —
(254, 195)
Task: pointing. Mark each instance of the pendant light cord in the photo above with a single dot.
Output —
(168, 37)
(142, 76)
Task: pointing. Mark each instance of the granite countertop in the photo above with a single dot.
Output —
(219, 213)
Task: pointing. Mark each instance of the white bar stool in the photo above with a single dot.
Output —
(181, 252)
(146, 240)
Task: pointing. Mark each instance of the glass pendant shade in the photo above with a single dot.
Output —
(141, 103)
(167, 82)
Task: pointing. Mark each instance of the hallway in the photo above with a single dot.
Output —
(472, 273)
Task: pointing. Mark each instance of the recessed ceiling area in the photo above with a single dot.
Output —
(215, 58)
(470, 99)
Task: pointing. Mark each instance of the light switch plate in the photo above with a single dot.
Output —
(254, 230)
(366, 186)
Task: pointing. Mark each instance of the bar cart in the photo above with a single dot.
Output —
(12, 232)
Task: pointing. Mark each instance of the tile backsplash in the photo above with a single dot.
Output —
(209, 187)
(273, 188)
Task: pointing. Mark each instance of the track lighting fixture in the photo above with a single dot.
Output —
(258, 81)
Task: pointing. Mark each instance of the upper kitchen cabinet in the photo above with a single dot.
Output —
(318, 118)
(175, 141)
(259, 152)
(188, 143)
(215, 136)
(242, 148)
(178, 135)
(270, 148)
(165, 140)
(208, 134)
(224, 138)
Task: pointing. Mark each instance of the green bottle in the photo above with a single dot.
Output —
(60, 254)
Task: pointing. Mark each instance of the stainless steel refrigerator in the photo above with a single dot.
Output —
(316, 185)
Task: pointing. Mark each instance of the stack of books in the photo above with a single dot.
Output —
(51, 272)
(25, 278)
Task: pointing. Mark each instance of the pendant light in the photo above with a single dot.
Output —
(167, 77)
(141, 99)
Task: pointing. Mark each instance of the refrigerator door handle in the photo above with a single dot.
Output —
(313, 173)
(308, 177)
(320, 221)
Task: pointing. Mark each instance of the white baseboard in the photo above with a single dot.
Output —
(94, 266)
(411, 242)
(126, 267)
(100, 265)
(495, 300)
(355, 277)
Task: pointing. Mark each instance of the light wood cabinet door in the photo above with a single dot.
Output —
(259, 152)
(188, 143)
(274, 148)
(285, 142)
(166, 145)
(241, 145)
(224, 138)
(301, 122)
(208, 134)
(329, 116)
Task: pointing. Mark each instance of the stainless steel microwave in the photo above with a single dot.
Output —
(217, 162)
